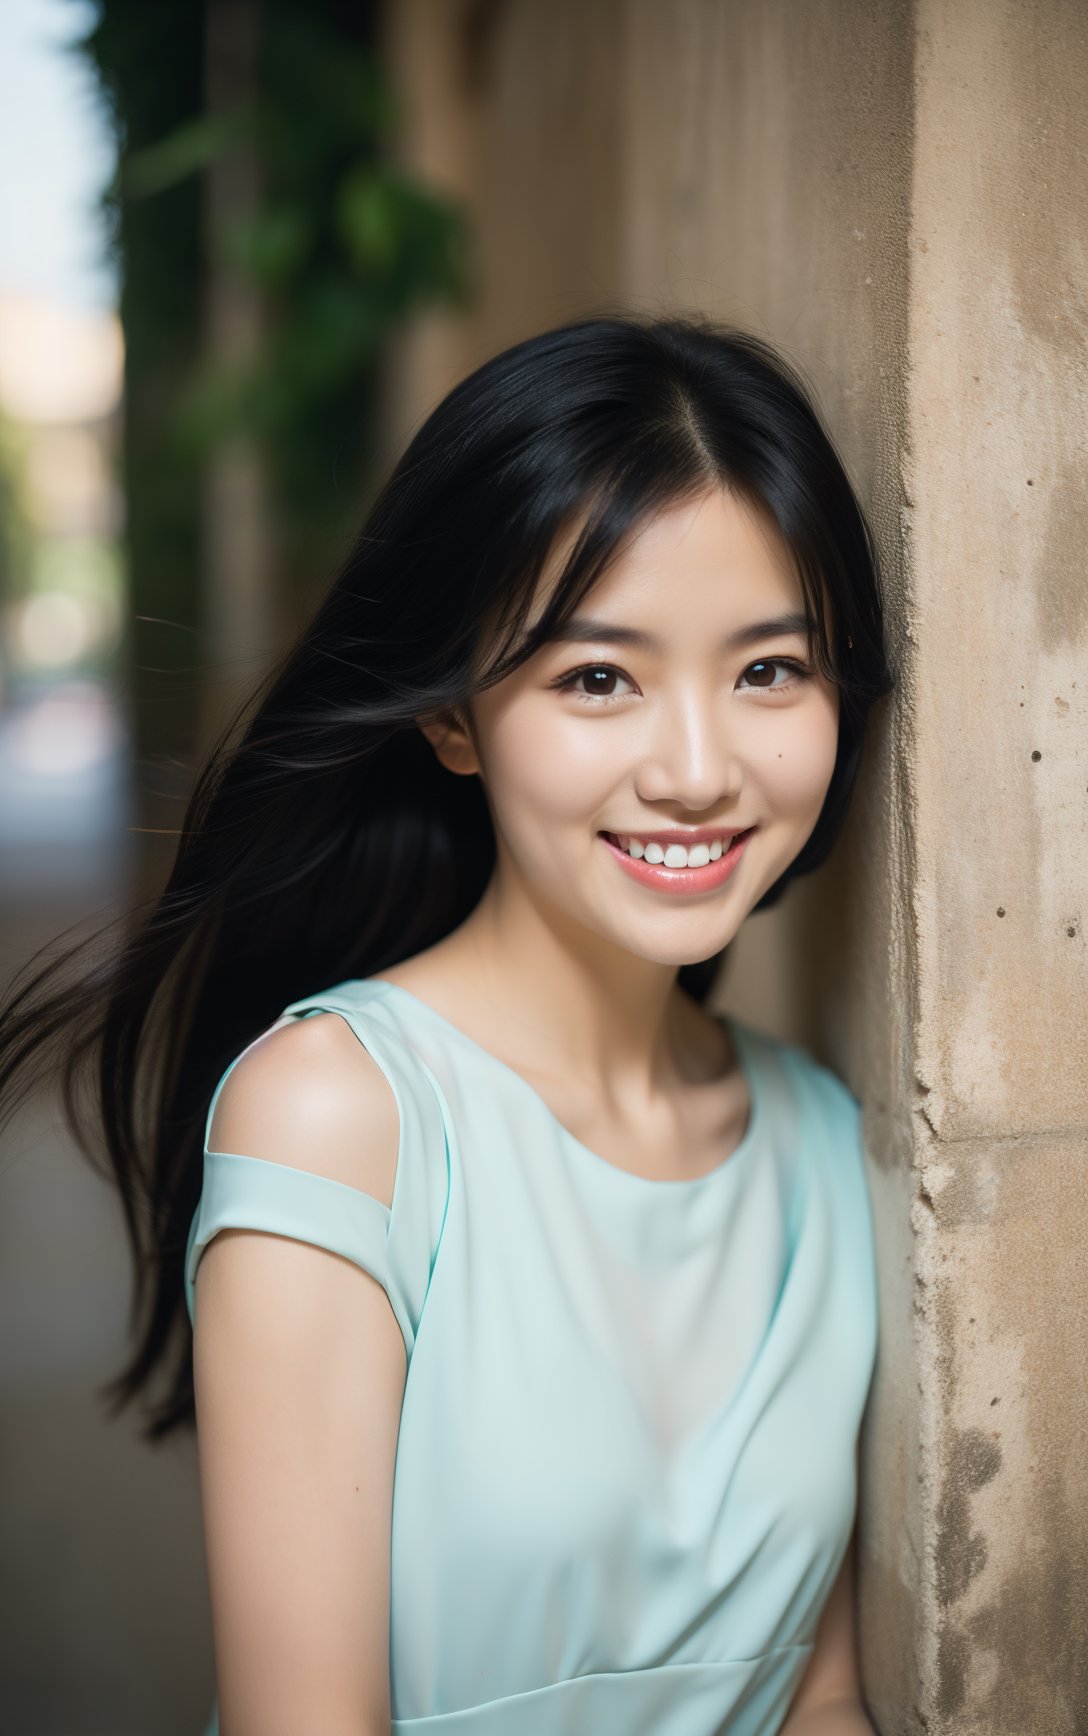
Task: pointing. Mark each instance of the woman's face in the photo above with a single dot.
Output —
(670, 703)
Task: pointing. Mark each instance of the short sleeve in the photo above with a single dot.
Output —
(396, 1244)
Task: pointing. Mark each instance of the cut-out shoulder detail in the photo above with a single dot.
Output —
(308, 1094)
(313, 1145)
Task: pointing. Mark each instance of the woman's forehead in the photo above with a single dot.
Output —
(718, 537)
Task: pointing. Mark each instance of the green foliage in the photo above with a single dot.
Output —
(343, 247)
(16, 533)
(189, 148)
(149, 65)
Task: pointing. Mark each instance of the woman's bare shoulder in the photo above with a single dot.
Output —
(309, 1094)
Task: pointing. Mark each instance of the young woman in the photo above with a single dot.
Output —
(534, 1305)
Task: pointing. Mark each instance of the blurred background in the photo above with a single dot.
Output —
(245, 246)
(206, 246)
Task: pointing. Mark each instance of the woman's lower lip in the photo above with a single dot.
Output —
(688, 880)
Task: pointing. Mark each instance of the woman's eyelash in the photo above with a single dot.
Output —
(566, 683)
(800, 670)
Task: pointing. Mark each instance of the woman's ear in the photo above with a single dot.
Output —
(452, 742)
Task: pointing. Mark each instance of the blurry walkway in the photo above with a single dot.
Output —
(101, 1564)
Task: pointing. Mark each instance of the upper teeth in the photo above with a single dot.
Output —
(676, 855)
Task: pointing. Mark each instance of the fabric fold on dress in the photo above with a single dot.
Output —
(625, 1473)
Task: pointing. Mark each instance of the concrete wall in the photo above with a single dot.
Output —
(894, 193)
(998, 533)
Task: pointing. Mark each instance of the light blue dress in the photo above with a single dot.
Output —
(625, 1473)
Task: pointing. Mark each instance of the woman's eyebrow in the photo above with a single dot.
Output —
(581, 628)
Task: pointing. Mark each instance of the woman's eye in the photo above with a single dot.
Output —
(600, 680)
(596, 683)
(794, 671)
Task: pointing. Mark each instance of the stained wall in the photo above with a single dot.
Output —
(997, 516)
(893, 193)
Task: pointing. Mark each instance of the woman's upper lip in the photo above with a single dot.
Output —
(681, 834)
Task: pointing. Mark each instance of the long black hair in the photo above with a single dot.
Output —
(323, 840)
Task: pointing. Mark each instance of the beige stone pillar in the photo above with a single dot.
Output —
(997, 528)
(894, 192)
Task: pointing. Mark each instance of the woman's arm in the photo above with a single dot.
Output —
(299, 1367)
(834, 1718)
(828, 1700)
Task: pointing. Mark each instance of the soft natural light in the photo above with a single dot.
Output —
(69, 730)
(52, 630)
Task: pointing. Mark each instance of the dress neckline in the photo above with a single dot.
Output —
(682, 1184)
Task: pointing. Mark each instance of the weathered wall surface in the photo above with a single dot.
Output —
(890, 190)
(998, 528)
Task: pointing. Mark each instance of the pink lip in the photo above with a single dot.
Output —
(688, 880)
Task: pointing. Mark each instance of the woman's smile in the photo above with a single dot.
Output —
(675, 869)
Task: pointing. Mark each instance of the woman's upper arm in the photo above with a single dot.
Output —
(832, 1671)
(831, 1674)
(299, 1368)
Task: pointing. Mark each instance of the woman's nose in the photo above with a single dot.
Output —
(689, 757)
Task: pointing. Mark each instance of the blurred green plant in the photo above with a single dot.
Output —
(340, 245)
(16, 529)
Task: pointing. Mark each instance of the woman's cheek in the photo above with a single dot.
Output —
(548, 770)
(527, 780)
(800, 769)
